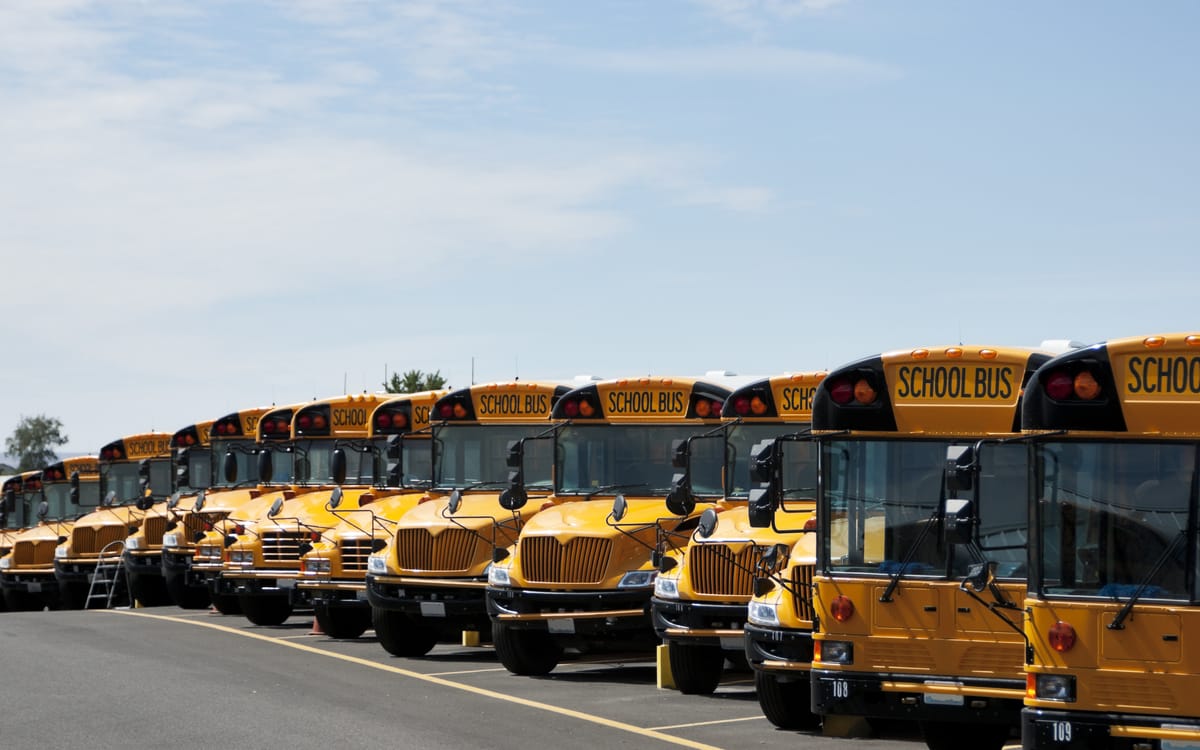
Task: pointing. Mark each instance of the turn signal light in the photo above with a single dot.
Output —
(585, 408)
(864, 392)
(1061, 636)
(1085, 386)
(841, 608)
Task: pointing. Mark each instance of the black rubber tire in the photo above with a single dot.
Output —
(525, 652)
(149, 590)
(400, 635)
(696, 669)
(787, 705)
(951, 735)
(342, 622)
(226, 604)
(23, 601)
(72, 595)
(266, 610)
(183, 595)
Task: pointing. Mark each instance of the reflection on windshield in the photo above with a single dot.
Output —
(121, 479)
(200, 467)
(417, 462)
(634, 458)
(1108, 512)
(476, 455)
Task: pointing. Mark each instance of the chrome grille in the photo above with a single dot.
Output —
(34, 552)
(718, 570)
(802, 583)
(155, 526)
(582, 560)
(453, 550)
(283, 545)
(89, 541)
(354, 555)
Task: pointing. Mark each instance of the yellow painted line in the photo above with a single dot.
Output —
(707, 723)
(581, 716)
(466, 671)
(738, 682)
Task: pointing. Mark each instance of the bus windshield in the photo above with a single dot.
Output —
(798, 469)
(244, 454)
(314, 462)
(476, 456)
(1110, 512)
(200, 470)
(636, 458)
(417, 462)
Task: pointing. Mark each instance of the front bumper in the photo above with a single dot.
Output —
(456, 602)
(332, 593)
(29, 581)
(605, 614)
(778, 650)
(1048, 729)
(74, 570)
(272, 583)
(143, 562)
(917, 697)
(708, 623)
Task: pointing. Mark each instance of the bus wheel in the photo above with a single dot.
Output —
(22, 601)
(342, 622)
(948, 735)
(786, 704)
(149, 590)
(400, 635)
(184, 596)
(696, 669)
(226, 604)
(266, 610)
(525, 652)
(72, 595)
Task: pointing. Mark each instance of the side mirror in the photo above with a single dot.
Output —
(145, 502)
(230, 467)
(183, 471)
(773, 557)
(679, 453)
(378, 545)
(959, 476)
(762, 461)
(110, 498)
(620, 507)
(335, 497)
(515, 497)
(43, 510)
(393, 447)
(144, 474)
(958, 521)
(979, 576)
(266, 466)
(680, 500)
(173, 501)
(74, 480)
(761, 508)
(499, 554)
(337, 466)
(275, 507)
(199, 504)
(708, 524)
(74, 495)
(454, 503)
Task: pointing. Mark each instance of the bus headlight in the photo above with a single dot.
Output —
(5, 563)
(377, 565)
(315, 565)
(1056, 687)
(238, 556)
(170, 540)
(498, 576)
(61, 552)
(636, 579)
(666, 588)
(133, 542)
(836, 652)
(763, 613)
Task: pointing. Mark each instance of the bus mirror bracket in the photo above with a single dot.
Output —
(958, 521)
(979, 576)
(337, 466)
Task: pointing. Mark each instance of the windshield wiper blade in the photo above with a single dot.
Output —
(909, 554)
(608, 487)
(1118, 622)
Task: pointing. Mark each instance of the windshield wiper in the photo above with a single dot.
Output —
(909, 554)
(608, 487)
(1118, 622)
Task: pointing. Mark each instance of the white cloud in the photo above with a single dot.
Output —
(736, 61)
(758, 15)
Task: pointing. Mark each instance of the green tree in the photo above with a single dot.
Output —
(415, 380)
(33, 441)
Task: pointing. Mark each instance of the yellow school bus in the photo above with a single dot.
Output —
(429, 582)
(908, 519)
(334, 572)
(135, 472)
(191, 472)
(58, 493)
(1113, 547)
(702, 590)
(582, 572)
(254, 476)
(12, 512)
(332, 464)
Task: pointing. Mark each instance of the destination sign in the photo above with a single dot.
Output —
(83, 466)
(935, 383)
(1162, 375)
(645, 402)
(512, 404)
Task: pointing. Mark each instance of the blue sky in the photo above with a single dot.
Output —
(207, 206)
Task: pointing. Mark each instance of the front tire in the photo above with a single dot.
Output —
(265, 610)
(697, 669)
(787, 705)
(400, 635)
(227, 604)
(342, 622)
(525, 652)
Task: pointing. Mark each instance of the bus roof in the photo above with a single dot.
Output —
(137, 446)
(242, 423)
(782, 398)
(502, 402)
(1146, 385)
(276, 422)
(62, 470)
(347, 416)
(941, 390)
(649, 399)
(404, 413)
(193, 434)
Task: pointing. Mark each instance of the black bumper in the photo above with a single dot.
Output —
(776, 644)
(331, 597)
(1045, 729)
(74, 572)
(859, 694)
(511, 601)
(31, 583)
(176, 563)
(465, 608)
(143, 564)
(283, 588)
(675, 614)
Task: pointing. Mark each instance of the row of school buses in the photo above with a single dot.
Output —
(973, 538)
